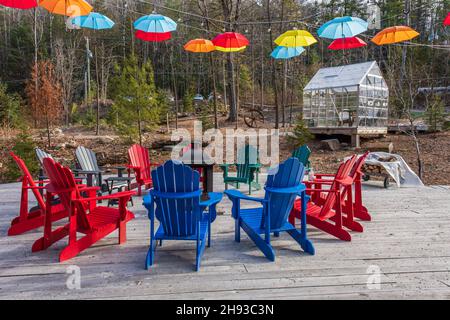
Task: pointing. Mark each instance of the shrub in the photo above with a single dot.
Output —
(301, 134)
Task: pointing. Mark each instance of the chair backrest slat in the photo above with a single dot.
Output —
(288, 174)
(342, 173)
(29, 178)
(178, 217)
(246, 156)
(41, 155)
(139, 157)
(302, 154)
(86, 159)
(62, 179)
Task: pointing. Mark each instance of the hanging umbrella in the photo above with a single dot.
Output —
(67, 7)
(295, 38)
(394, 35)
(155, 23)
(152, 36)
(94, 21)
(447, 20)
(342, 27)
(286, 52)
(347, 43)
(19, 4)
(199, 45)
(230, 42)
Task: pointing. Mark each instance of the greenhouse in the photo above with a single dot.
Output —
(349, 100)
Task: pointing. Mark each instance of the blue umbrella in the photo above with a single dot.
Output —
(286, 52)
(155, 23)
(94, 21)
(342, 27)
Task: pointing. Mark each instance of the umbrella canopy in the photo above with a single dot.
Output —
(94, 21)
(152, 36)
(155, 23)
(230, 42)
(19, 4)
(67, 7)
(342, 27)
(394, 35)
(199, 45)
(286, 52)
(295, 38)
(347, 43)
(447, 20)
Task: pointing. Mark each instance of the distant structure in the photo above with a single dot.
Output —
(347, 100)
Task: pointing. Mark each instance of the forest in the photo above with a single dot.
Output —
(53, 75)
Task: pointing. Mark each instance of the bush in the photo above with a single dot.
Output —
(23, 146)
(301, 134)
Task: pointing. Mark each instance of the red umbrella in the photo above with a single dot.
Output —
(153, 36)
(19, 4)
(230, 40)
(447, 20)
(347, 43)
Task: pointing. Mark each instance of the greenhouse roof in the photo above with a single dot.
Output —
(341, 76)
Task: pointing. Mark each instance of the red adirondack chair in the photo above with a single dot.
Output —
(139, 162)
(33, 218)
(85, 216)
(358, 210)
(327, 215)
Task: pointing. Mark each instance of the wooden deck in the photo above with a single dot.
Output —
(409, 240)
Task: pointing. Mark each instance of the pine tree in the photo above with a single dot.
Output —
(135, 98)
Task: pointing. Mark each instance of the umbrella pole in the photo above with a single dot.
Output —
(213, 73)
(97, 131)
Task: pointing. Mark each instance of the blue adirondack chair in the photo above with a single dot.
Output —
(302, 154)
(175, 202)
(283, 185)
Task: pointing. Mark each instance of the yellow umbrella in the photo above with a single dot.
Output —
(394, 35)
(70, 8)
(295, 38)
(223, 49)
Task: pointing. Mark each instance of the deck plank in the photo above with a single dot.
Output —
(407, 239)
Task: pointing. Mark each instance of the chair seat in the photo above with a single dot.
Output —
(235, 179)
(312, 210)
(103, 216)
(161, 235)
(253, 217)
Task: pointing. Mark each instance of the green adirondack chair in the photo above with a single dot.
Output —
(302, 154)
(247, 169)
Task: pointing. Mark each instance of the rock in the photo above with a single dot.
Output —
(105, 140)
(331, 144)
(57, 131)
(168, 148)
(72, 144)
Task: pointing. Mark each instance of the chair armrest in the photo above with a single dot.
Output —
(119, 195)
(85, 188)
(319, 175)
(297, 189)
(237, 195)
(214, 199)
(226, 165)
(322, 190)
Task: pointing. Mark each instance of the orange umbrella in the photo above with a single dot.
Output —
(199, 45)
(70, 8)
(394, 35)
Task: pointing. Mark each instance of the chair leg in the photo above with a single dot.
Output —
(265, 247)
(304, 243)
(200, 249)
(150, 254)
(250, 188)
(237, 231)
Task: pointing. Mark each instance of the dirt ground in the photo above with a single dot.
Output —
(112, 150)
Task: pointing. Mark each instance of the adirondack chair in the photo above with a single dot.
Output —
(139, 162)
(327, 215)
(176, 196)
(302, 154)
(33, 218)
(282, 187)
(87, 162)
(358, 210)
(85, 217)
(247, 168)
